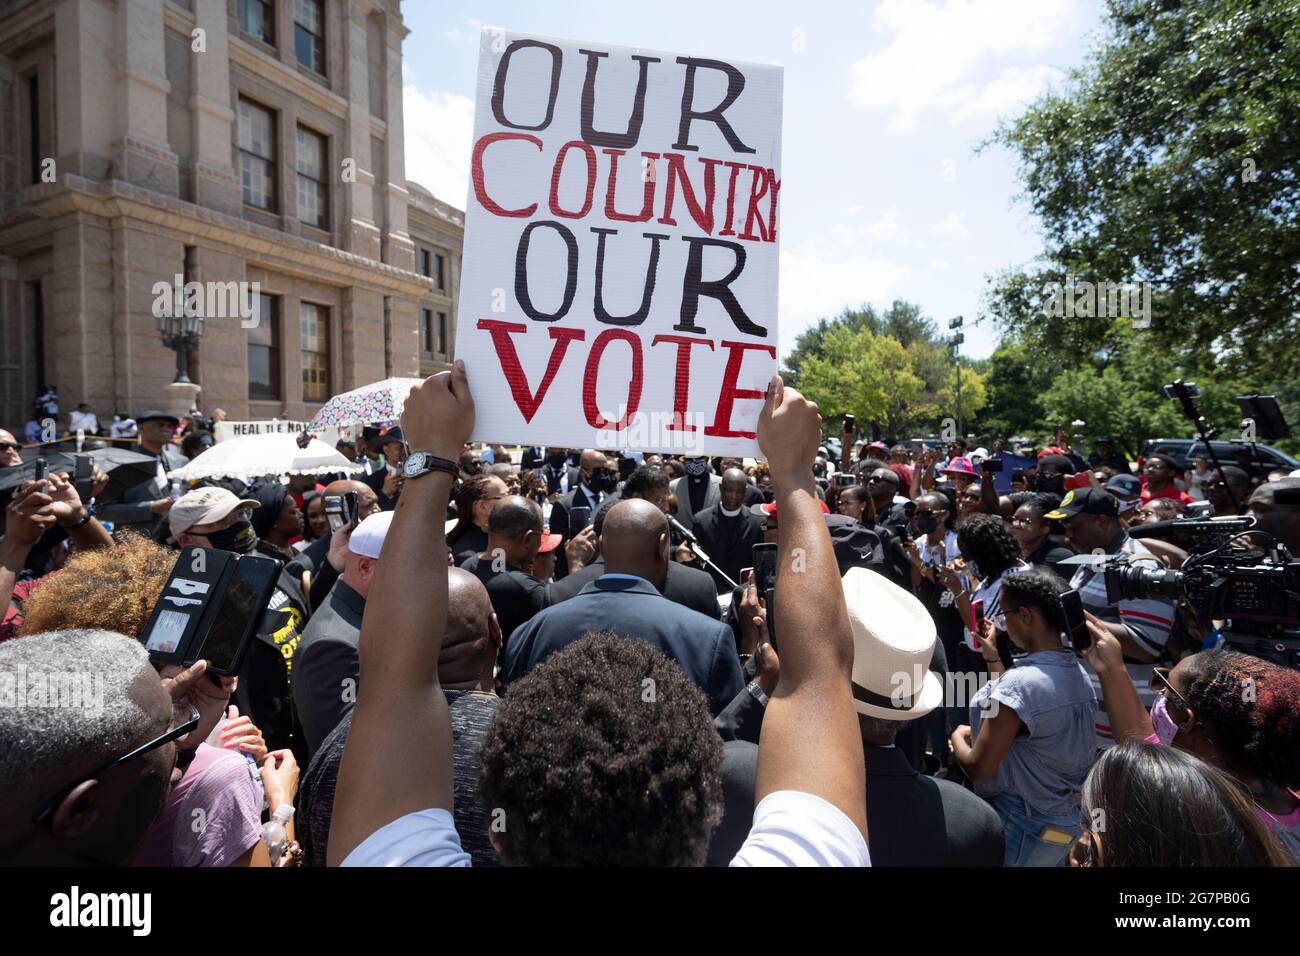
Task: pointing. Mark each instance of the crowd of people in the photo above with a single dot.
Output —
(843, 653)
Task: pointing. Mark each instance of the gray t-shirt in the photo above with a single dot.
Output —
(1051, 694)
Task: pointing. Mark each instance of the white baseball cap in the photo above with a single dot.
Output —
(368, 537)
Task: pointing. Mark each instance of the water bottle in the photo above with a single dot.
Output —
(274, 833)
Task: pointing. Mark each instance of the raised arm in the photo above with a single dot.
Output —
(398, 758)
(810, 739)
(1129, 720)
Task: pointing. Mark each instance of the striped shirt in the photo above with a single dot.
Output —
(1147, 622)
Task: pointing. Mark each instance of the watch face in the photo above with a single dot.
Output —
(414, 464)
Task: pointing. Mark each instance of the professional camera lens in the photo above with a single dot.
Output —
(1135, 583)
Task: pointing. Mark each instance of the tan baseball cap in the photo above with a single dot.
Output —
(203, 506)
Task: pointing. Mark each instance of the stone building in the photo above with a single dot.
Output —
(221, 141)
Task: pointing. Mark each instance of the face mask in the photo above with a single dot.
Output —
(1053, 484)
(729, 514)
(1162, 723)
(696, 466)
(602, 479)
(239, 537)
(926, 524)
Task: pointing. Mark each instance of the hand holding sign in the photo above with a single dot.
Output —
(439, 414)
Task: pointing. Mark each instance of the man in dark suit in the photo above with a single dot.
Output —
(595, 480)
(682, 584)
(327, 663)
(728, 531)
(514, 534)
(387, 481)
(561, 477)
(913, 820)
(625, 601)
(142, 506)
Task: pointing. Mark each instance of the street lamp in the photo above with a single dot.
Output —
(957, 339)
(180, 330)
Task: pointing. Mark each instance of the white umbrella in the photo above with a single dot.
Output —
(255, 455)
(377, 402)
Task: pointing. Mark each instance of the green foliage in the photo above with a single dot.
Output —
(1173, 158)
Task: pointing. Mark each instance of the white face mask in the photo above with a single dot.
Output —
(730, 514)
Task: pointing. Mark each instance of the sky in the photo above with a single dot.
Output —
(882, 193)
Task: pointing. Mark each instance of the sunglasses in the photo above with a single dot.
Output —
(185, 717)
(8, 446)
(1161, 685)
(937, 511)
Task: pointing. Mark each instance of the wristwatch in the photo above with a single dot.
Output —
(422, 462)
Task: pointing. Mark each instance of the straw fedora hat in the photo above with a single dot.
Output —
(893, 638)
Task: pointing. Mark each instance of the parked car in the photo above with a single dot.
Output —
(1257, 459)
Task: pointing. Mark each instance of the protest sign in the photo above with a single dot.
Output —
(619, 280)
(227, 430)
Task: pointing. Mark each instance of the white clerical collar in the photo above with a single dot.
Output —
(729, 514)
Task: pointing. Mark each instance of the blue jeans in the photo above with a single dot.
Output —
(1032, 838)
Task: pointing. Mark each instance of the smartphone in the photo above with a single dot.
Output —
(746, 574)
(1017, 474)
(991, 464)
(976, 622)
(238, 614)
(1076, 625)
(341, 510)
(849, 422)
(81, 473)
(42, 470)
(197, 576)
(918, 447)
(579, 518)
(764, 564)
(845, 479)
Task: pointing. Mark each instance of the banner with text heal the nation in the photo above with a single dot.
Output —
(619, 279)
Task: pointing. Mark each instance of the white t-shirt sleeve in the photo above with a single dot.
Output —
(426, 838)
(792, 828)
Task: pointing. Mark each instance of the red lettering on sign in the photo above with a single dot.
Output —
(682, 381)
(476, 174)
(594, 418)
(524, 397)
(591, 179)
(721, 427)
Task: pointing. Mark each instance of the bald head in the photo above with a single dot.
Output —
(591, 459)
(472, 636)
(732, 489)
(634, 540)
(367, 500)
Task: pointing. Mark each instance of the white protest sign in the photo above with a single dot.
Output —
(228, 430)
(619, 281)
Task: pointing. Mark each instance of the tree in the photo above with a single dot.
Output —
(863, 374)
(1173, 158)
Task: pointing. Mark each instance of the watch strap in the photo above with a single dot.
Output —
(434, 463)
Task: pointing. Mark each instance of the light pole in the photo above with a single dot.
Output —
(180, 331)
(957, 339)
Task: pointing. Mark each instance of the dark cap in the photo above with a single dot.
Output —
(156, 415)
(1104, 440)
(1127, 485)
(393, 434)
(856, 546)
(1085, 501)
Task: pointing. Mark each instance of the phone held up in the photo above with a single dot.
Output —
(341, 510)
(1076, 625)
(210, 609)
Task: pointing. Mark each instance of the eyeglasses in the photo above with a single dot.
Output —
(1161, 685)
(936, 511)
(185, 717)
(1021, 523)
(8, 446)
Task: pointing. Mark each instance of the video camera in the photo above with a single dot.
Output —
(1255, 592)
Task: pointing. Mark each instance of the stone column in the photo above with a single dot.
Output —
(216, 184)
(84, 87)
(140, 152)
(359, 234)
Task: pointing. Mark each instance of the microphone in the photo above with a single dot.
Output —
(681, 530)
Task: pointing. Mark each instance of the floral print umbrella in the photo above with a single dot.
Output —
(368, 405)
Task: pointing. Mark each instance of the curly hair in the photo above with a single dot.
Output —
(1251, 708)
(986, 540)
(108, 587)
(1038, 588)
(604, 755)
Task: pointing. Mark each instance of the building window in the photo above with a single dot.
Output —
(438, 273)
(34, 125)
(315, 325)
(313, 190)
(257, 155)
(309, 34)
(257, 20)
(426, 330)
(264, 351)
(424, 262)
(442, 333)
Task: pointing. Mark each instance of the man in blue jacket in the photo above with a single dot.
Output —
(625, 600)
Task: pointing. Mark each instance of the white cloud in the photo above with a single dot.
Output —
(951, 227)
(938, 265)
(951, 57)
(815, 286)
(439, 128)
